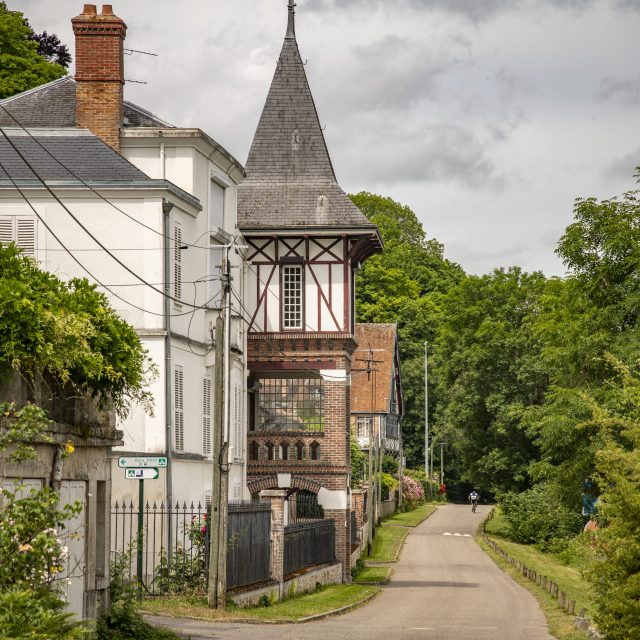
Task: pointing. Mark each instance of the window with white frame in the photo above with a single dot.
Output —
(20, 230)
(292, 296)
(177, 262)
(178, 408)
(217, 205)
(206, 416)
(363, 426)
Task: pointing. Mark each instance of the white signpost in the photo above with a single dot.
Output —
(142, 461)
(142, 473)
(141, 468)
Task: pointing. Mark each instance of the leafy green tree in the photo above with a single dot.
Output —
(405, 285)
(488, 373)
(21, 66)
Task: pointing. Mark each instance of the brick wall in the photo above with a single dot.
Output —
(100, 72)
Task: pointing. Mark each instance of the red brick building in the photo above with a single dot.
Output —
(306, 240)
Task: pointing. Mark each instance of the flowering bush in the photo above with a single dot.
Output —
(412, 491)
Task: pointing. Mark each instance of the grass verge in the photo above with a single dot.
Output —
(387, 544)
(560, 623)
(412, 518)
(292, 609)
(375, 574)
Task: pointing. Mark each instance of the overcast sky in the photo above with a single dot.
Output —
(487, 117)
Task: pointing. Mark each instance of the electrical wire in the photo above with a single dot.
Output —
(106, 250)
(86, 184)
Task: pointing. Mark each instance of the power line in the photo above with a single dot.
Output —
(106, 250)
(86, 184)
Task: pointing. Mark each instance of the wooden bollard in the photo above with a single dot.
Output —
(544, 582)
(582, 613)
(572, 607)
(561, 598)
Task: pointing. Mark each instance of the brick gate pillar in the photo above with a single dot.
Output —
(277, 499)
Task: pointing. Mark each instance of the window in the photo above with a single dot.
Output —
(216, 211)
(254, 451)
(314, 451)
(178, 409)
(299, 448)
(270, 451)
(289, 404)
(292, 297)
(22, 231)
(363, 426)
(206, 416)
(177, 262)
(284, 451)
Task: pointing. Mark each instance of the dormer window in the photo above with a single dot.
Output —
(291, 297)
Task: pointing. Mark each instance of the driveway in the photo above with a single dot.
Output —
(443, 587)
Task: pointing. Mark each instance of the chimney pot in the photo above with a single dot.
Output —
(107, 10)
(89, 10)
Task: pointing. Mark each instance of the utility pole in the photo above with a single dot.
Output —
(442, 446)
(426, 414)
(217, 585)
(371, 494)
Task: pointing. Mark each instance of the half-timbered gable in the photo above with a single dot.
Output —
(305, 241)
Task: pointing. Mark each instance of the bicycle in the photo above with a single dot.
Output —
(474, 506)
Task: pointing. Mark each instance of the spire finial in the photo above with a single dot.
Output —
(291, 26)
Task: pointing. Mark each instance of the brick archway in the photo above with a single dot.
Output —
(271, 482)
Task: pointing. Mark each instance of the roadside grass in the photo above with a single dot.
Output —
(566, 576)
(560, 623)
(321, 601)
(387, 543)
(412, 518)
(375, 574)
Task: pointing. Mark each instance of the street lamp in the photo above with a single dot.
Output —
(442, 446)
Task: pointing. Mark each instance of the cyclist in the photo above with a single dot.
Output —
(473, 499)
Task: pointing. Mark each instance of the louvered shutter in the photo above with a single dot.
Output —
(178, 409)
(6, 229)
(237, 425)
(26, 236)
(177, 262)
(206, 416)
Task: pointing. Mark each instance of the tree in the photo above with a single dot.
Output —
(405, 284)
(488, 372)
(21, 66)
(51, 49)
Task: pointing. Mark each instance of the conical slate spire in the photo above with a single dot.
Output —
(290, 179)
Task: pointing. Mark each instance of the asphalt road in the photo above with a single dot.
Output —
(444, 587)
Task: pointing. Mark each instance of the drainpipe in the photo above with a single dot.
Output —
(166, 210)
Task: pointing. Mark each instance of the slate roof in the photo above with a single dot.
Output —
(290, 179)
(83, 153)
(382, 340)
(54, 105)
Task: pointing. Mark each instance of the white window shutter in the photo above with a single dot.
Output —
(178, 409)
(26, 236)
(6, 229)
(177, 262)
(206, 416)
(237, 445)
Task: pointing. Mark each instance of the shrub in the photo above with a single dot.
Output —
(388, 484)
(412, 491)
(536, 516)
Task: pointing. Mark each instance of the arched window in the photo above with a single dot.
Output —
(284, 450)
(270, 451)
(314, 451)
(299, 450)
(254, 451)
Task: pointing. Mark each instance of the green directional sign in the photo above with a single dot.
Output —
(125, 462)
(142, 473)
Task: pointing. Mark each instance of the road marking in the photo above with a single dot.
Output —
(420, 628)
(456, 534)
(466, 535)
(446, 534)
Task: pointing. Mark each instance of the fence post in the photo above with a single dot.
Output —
(277, 499)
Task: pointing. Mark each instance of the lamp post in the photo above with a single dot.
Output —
(426, 413)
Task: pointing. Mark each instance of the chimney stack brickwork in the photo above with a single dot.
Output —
(100, 72)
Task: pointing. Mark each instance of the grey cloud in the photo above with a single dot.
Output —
(626, 91)
(624, 166)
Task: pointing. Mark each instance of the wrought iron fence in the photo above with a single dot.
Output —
(141, 548)
(307, 544)
(305, 507)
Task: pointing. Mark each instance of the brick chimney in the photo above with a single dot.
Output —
(100, 72)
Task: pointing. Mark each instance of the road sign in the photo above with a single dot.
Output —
(142, 473)
(142, 461)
